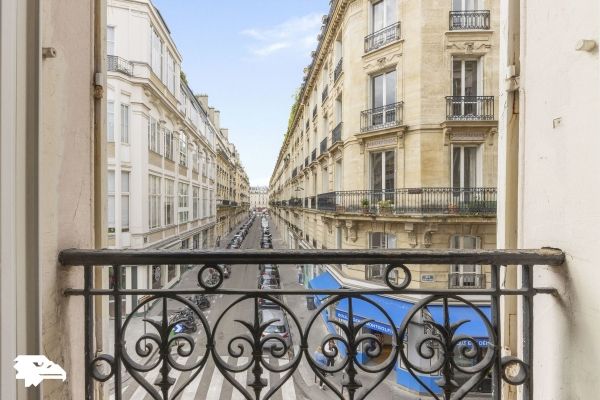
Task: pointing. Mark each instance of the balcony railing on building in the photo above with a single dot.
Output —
(307, 126)
(466, 280)
(295, 202)
(314, 112)
(118, 64)
(306, 162)
(313, 155)
(458, 344)
(325, 93)
(382, 37)
(323, 146)
(336, 134)
(387, 116)
(470, 108)
(294, 172)
(464, 20)
(337, 72)
(468, 201)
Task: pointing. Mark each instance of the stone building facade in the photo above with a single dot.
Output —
(394, 142)
(259, 197)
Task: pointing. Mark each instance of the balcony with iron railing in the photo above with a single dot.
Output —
(419, 201)
(465, 20)
(118, 64)
(314, 111)
(307, 126)
(325, 93)
(426, 334)
(294, 172)
(323, 146)
(313, 155)
(469, 108)
(337, 72)
(384, 117)
(382, 37)
(336, 134)
(306, 162)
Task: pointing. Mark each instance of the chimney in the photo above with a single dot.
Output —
(217, 119)
(211, 114)
(203, 99)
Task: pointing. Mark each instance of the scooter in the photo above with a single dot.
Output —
(201, 301)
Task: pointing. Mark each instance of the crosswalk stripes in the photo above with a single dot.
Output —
(210, 384)
(189, 393)
(216, 383)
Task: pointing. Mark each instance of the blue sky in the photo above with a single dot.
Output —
(248, 56)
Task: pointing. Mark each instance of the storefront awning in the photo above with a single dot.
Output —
(325, 281)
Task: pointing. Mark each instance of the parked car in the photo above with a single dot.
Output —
(268, 282)
(266, 245)
(269, 269)
(226, 271)
(266, 303)
(279, 327)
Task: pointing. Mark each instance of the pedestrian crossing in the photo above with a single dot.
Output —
(210, 384)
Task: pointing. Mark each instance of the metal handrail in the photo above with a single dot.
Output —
(473, 19)
(118, 64)
(337, 72)
(382, 37)
(323, 146)
(464, 108)
(336, 134)
(387, 116)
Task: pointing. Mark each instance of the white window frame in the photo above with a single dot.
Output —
(111, 201)
(183, 203)
(111, 40)
(169, 144)
(386, 241)
(153, 135)
(386, 19)
(479, 74)
(125, 203)
(478, 5)
(383, 164)
(465, 269)
(478, 164)
(125, 119)
(110, 121)
(154, 203)
(183, 150)
(196, 202)
(169, 201)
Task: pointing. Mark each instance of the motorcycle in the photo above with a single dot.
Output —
(184, 322)
(200, 300)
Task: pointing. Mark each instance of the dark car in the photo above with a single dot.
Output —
(269, 269)
(266, 245)
(268, 282)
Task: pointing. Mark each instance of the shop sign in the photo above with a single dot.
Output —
(374, 325)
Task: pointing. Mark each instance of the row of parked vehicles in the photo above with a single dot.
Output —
(266, 240)
(269, 279)
(238, 238)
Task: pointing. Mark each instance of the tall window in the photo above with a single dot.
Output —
(339, 175)
(111, 201)
(169, 202)
(170, 72)
(125, 201)
(153, 136)
(384, 89)
(338, 237)
(466, 275)
(379, 240)
(154, 201)
(384, 14)
(465, 166)
(325, 181)
(183, 150)
(467, 5)
(465, 77)
(169, 144)
(383, 177)
(110, 120)
(183, 202)
(204, 203)
(211, 205)
(196, 202)
(125, 123)
(156, 57)
(110, 41)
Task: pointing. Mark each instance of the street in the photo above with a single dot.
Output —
(209, 383)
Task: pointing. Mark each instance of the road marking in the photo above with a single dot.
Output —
(189, 393)
(240, 377)
(288, 392)
(216, 383)
(140, 392)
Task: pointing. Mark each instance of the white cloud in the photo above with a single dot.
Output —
(299, 33)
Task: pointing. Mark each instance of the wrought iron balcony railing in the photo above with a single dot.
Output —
(118, 64)
(463, 20)
(294, 172)
(459, 201)
(323, 146)
(336, 134)
(314, 111)
(307, 126)
(466, 280)
(430, 340)
(306, 162)
(295, 202)
(313, 155)
(325, 93)
(337, 72)
(382, 37)
(384, 117)
(470, 108)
